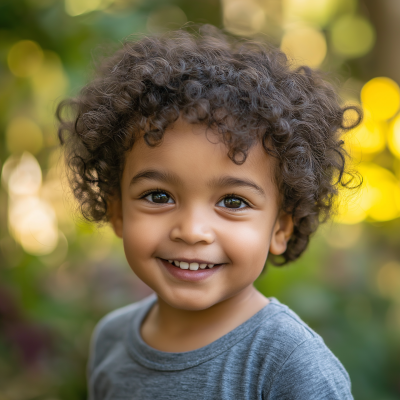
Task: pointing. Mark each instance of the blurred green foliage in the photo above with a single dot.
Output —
(346, 286)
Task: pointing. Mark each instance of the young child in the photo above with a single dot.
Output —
(207, 155)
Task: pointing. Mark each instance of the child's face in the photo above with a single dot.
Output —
(188, 219)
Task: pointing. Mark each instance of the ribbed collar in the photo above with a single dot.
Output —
(165, 361)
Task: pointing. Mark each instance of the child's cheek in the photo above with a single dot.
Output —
(246, 244)
(141, 239)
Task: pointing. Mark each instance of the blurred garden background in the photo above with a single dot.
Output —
(59, 274)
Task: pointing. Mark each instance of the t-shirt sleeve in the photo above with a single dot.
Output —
(100, 343)
(311, 372)
(93, 356)
(105, 338)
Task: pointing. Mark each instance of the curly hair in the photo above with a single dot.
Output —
(245, 90)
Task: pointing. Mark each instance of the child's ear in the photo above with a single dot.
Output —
(115, 215)
(281, 233)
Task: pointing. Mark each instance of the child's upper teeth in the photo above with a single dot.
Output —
(192, 266)
(183, 265)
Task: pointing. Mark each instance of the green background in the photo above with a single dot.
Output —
(49, 303)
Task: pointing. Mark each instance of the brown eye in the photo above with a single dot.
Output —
(158, 197)
(232, 202)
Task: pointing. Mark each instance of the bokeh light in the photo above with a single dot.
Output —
(32, 221)
(382, 192)
(55, 191)
(50, 81)
(25, 58)
(352, 207)
(23, 176)
(33, 224)
(243, 17)
(305, 45)
(378, 198)
(381, 97)
(394, 137)
(316, 12)
(367, 138)
(352, 36)
(79, 7)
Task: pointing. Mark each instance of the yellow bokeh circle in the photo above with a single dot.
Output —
(378, 198)
(350, 211)
(394, 137)
(25, 58)
(315, 12)
(381, 97)
(383, 192)
(305, 45)
(243, 17)
(366, 138)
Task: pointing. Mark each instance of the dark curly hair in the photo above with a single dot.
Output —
(245, 90)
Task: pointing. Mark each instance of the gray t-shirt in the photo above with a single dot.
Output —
(273, 355)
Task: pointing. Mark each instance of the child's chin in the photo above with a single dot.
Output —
(189, 303)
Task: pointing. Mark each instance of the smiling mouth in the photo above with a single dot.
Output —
(191, 266)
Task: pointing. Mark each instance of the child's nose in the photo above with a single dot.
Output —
(192, 226)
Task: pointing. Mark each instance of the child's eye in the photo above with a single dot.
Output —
(158, 196)
(233, 202)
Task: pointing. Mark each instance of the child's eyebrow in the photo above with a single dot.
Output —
(223, 181)
(154, 175)
(226, 181)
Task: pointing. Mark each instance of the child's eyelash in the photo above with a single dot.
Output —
(145, 194)
(229, 195)
(248, 205)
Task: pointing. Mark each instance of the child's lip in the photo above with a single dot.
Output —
(192, 260)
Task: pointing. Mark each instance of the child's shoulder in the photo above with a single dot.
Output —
(283, 323)
(284, 332)
(303, 363)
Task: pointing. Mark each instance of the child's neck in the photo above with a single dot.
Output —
(175, 330)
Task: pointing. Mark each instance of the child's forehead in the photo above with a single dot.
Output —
(193, 150)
